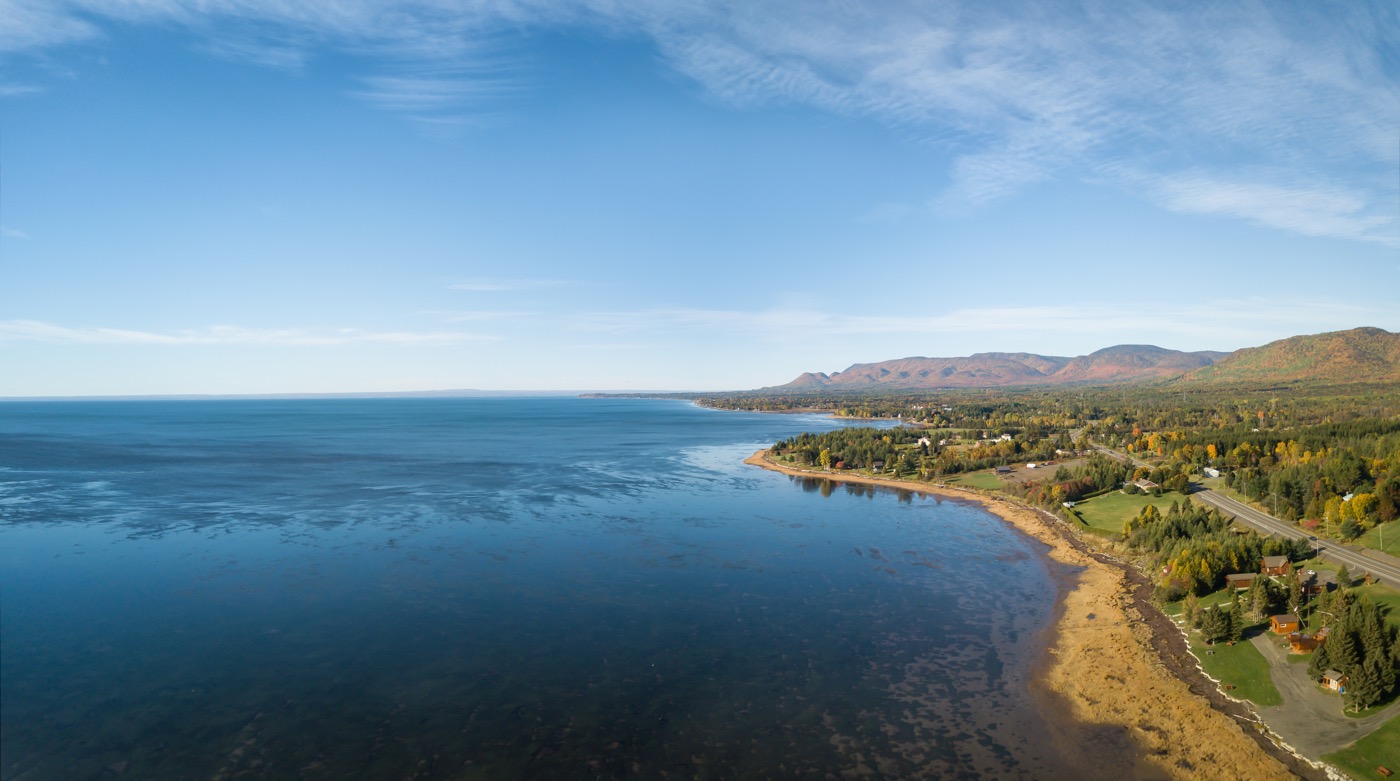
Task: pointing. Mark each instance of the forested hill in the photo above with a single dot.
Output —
(1121, 363)
(1338, 357)
(1358, 355)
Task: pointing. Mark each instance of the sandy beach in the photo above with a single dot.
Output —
(1118, 665)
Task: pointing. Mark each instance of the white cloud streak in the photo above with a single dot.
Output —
(1234, 321)
(37, 24)
(481, 316)
(1311, 211)
(498, 285)
(17, 331)
(1194, 95)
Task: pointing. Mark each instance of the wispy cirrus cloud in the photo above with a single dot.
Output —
(37, 24)
(500, 285)
(1309, 210)
(14, 331)
(436, 62)
(1187, 94)
(1236, 321)
(1021, 94)
(480, 316)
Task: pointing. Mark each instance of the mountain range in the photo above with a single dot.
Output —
(1357, 355)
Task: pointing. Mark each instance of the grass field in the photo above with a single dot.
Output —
(1372, 538)
(1388, 597)
(1241, 666)
(1379, 749)
(984, 480)
(1106, 514)
(1221, 597)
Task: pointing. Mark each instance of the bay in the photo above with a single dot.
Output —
(495, 588)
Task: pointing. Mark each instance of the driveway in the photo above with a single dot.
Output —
(1310, 718)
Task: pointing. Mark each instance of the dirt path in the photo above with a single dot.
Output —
(1116, 661)
(1310, 718)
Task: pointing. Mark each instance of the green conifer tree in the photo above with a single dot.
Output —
(1191, 611)
(1295, 592)
(1363, 686)
(1236, 620)
(1258, 599)
(1344, 577)
(1321, 661)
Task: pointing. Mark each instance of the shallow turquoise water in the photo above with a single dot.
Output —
(493, 588)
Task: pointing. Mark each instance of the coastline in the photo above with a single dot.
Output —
(1111, 660)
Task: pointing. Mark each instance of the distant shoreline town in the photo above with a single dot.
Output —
(1256, 518)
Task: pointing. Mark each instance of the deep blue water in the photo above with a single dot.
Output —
(496, 589)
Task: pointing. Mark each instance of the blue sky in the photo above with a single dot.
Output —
(257, 196)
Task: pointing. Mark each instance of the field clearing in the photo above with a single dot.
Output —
(1379, 749)
(984, 480)
(1240, 666)
(1372, 539)
(1107, 513)
(1387, 597)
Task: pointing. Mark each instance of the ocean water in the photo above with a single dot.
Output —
(495, 589)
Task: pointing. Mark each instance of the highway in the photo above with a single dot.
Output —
(1356, 561)
(1359, 563)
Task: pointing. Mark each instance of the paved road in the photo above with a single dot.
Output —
(1357, 562)
(1310, 718)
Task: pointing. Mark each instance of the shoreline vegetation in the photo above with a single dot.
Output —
(1115, 660)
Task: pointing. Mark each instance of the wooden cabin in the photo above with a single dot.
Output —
(1240, 581)
(1277, 565)
(1301, 643)
(1334, 681)
(1284, 624)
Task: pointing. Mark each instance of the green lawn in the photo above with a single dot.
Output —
(1379, 749)
(1221, 597)
(1372, 539)
(1241, 666)
(984, 480)
(1384, 595)
(1107, 513)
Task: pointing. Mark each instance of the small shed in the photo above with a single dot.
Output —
(1210, 472)
(1240, 581)
(1145, 484)
(1284, 624)
(1300, 643)
(1335, 681)
(1277, 565)
(1003, 470)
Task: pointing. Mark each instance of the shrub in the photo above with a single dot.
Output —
(1168, 592)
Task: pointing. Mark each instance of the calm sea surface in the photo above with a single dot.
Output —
(494, 589)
